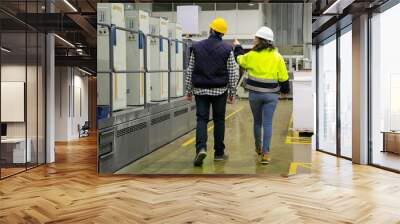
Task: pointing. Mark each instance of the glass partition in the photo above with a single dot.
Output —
(41, 97)
(22, 90)
(346, 93)
(32, 97)
(15, 149)
(385, 89)
(327, 96)
(140, 62)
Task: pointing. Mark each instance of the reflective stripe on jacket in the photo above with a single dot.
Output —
(266, 69)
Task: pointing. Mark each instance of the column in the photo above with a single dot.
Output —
(360, 90)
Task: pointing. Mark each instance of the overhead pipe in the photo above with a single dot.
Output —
(17, 19)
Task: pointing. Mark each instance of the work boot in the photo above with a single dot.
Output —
(198, 160)
(221, 157)
(265, 159)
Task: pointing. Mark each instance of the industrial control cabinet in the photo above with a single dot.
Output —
(111, 14)
(176, 55)
(180, 121)
(303, 106)
(160, 130)
(158, 61)
(137, 20)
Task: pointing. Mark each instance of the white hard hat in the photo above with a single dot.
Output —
(265, 33)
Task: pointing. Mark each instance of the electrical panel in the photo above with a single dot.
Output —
(158, 51)
(176, 55)
(111, 14)
(137, 20)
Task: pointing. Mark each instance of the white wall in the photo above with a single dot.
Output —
(33, 126)
(12, 73)
(71, 102)
(238, 22)
(16, 73)
(61, 103)
(79, 117)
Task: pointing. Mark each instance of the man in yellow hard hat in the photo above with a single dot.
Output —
(211, 77)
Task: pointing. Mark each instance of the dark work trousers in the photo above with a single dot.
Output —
(218, 103)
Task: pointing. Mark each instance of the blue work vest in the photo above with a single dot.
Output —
(211, 57)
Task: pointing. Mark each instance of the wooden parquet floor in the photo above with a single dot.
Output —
(70, 191)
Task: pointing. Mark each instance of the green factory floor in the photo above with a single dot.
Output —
(177, 157)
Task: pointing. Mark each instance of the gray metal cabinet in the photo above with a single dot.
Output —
(180, 121)
(132, 141)
(160, 130)
(107, 162)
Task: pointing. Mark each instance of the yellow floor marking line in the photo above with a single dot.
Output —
(193, 139)
(297, 140)
(295, 165)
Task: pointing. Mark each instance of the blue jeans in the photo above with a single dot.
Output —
(218, 103)
(263, 107)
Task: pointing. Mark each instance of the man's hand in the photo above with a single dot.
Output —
(189, 97)
(235, 43)
(231, 99)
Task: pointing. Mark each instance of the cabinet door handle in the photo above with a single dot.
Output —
(106, 133)
(105, 156)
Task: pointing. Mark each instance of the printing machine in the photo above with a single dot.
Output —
(158, 64)
(137, 20)
(129, 134)
(175, 33)
(111, 14)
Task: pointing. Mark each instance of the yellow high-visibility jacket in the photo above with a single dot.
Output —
(266, 70)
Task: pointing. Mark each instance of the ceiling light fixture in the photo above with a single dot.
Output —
(334, 6)
(65, 41)
(84, 71)
(5, 50)
(70, 5)
(326, 11)
(79, 51)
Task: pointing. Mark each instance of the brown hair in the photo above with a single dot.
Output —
(263, 44)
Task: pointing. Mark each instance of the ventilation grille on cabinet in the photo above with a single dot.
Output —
(180, 112)
(131, 129)
(160, 119)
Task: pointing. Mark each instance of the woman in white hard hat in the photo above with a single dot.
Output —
(267, 77)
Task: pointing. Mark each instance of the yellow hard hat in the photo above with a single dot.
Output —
(219, 25)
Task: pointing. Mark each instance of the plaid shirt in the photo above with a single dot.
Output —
(231, 87)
